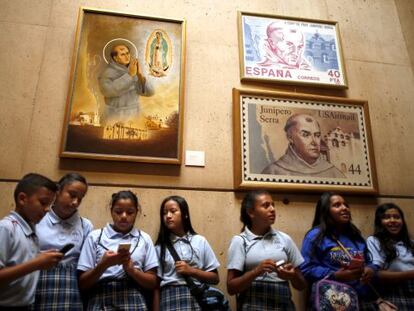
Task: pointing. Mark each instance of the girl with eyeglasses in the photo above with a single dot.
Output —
(197, 259)
(392, 250)
(262, 261)
(118, 261)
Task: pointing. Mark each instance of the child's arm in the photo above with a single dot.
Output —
(147, 279)
(294, 275)
(395, 276)
(210, 277)
(346, 275)
(313, 268)
(156, 297)
(379, 259)
(237, 281)
(89, 278)
(44, 260)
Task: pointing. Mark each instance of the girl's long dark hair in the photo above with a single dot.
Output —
(248, 202)
(325, 223)
(386, 240)
(164, 233)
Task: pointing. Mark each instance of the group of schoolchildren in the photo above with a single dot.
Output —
(52, 259)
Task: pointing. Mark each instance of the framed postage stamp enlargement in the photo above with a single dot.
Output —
(126, 93)
(299, 142)
(290, 50)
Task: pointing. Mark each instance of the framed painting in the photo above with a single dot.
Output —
(290, 50)
(299, 142)
(125, 99)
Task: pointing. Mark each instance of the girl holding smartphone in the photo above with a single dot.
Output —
(63, 229)
(116, 276)
(262, 261)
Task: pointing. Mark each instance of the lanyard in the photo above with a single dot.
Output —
(104, 247)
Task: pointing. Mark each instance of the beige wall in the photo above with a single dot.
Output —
(405, 10)
(37, 39)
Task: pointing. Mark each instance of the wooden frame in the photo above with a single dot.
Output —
(298, 142)
(280, 49)
(115, 109)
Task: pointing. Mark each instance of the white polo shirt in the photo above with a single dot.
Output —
(403, 262)
(54, 233)
(18, 244)
(248, 250)
(193, 249)
(100, 241)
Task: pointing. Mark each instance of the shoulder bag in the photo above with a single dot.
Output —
(209, 299)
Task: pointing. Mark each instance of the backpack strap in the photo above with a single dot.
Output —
(196, 291)
(245, 250)
(98, 241)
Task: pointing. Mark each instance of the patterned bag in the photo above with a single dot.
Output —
(331, 295)
(382, 304)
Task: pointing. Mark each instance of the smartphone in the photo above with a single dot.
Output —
(125, 246)
(280, 263)
(355, 263)
(66, 248)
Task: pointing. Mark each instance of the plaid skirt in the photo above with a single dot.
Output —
(178, 297)
(263, 296)
(367, 305)
(116, 294)
(401, 295)
(57, 290)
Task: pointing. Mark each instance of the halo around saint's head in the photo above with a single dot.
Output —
(106, 52)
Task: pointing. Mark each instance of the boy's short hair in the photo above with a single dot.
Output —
(31, 182)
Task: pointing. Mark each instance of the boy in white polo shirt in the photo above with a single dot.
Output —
(20, 260)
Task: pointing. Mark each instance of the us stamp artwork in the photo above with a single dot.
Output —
(306, 141)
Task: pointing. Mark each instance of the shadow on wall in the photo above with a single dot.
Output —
(119, 167)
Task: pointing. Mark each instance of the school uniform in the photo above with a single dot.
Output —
(195, 251)
(115, 290)
(57, 288)
(267, 291)
(327, 257)
(402, 294)
(18, 244)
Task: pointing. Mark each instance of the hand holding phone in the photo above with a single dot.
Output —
(280, 263)
(124, 247)
(66, 248)
(355, 263)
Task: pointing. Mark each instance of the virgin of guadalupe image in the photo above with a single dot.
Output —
(158, 55)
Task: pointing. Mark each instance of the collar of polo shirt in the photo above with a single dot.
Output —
(55, 219)
(175, 238)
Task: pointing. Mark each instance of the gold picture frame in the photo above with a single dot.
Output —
(126, 94)
(290, 50)
(298, 142)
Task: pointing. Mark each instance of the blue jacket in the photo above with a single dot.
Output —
(327, 258)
